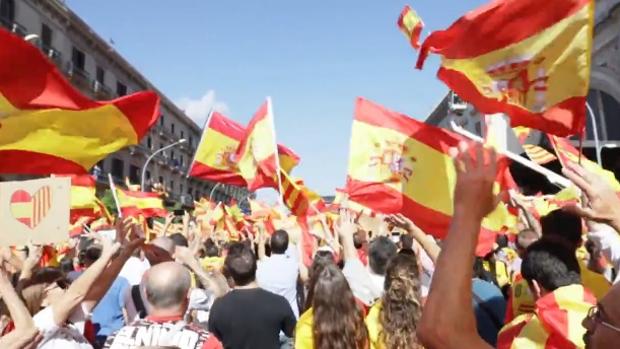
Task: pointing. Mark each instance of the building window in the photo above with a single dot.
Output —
(149, 142)
(100, 75)
(172, 128)
(181, 160)
(161, 120)
(191, 141)
(171, 185)
(182, 134)
(46, 36)
(121, 89)
(134, 174)
(7, 10)
(117, 168)
(180, 188)
(148, 175)
(161, 180)
(171, 155)
(78, 59)
(189, 191)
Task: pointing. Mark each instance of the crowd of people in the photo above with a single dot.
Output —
(552, 286)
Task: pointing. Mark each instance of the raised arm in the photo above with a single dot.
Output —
(426, 241)
(346, 228)
(25, 331)
(448, 320)
(80, 288)
(215, 281)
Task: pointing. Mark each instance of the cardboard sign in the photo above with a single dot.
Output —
(36, 210)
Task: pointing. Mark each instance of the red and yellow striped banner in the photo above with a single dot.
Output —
(411, 25)
(529, 59)
(298, 198)
(48, 126)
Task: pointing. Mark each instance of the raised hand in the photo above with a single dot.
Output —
(603, 204)
(476, 169)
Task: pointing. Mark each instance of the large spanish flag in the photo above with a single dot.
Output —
(411, 25)
(529, 59)
(215, 156)
(256, 155)
(298, 198)
(47, 126)
(138, 203)
(401, 165)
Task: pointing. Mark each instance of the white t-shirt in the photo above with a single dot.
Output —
(278, 274)
(365, 285)
(134, 269)
(68, 336)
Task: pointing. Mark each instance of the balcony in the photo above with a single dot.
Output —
(139, 150)
(53, 54)
(78, 76)
(101, 91)
(13, 27)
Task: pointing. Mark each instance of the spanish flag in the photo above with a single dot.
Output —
(555, 323)
(298, 198)
(84, 200)
(401, 165)
(47, 126)
(567, 153)
(136, 203)
(529, 59)
(215, 155)
(411, 25)
(256, 155)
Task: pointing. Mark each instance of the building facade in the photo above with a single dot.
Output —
(603, 98)
(95, 68)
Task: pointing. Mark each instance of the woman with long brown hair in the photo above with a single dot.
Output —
(392, 321)
(334, 319)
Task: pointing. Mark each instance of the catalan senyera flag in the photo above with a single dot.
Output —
(47, 126)
(538, 154)
(215, 156)
(411, 25)
(555, 323)
(400, 165)
(30, 209)
(137, 203)
(567, 153)
(298, 198)
(528, 59)
(256, 155)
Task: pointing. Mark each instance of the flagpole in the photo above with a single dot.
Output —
(202, 136)
(275, 144)
(113, 187)
(553, 177)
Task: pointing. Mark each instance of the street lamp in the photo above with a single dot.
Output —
(180, 141)
(597, 144)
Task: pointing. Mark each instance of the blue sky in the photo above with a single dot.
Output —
(312, 57)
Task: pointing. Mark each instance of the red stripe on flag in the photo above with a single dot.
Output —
(226, 126)
(25, 220)
(557, 119)
(201, 170)
(37, 163)
(20, 196)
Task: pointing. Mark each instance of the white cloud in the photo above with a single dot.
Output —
(198, 109)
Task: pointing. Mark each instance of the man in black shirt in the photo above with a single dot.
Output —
(248, 316)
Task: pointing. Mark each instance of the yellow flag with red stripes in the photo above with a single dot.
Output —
(529, 59)
(298, 198)
(48, 126)
(411, 25)
(400, 165)
(256, 155)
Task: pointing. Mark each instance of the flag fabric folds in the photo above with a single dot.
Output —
(256, 155)
(136, 203)
(411, 25)
(215, 158)
(528, 59)
(47, 126)
(298, 198)
(401, 165)
(84, 200)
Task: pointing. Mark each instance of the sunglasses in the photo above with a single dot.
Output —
(594, 314)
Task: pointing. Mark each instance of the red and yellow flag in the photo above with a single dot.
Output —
(411, 25)
(400, 165)
(136, 203)
(556, 322)
(529, 59)
(47, 126)
(215, 155)
(567, 153)
(84, 200)
(256, 155)
(298, 198)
